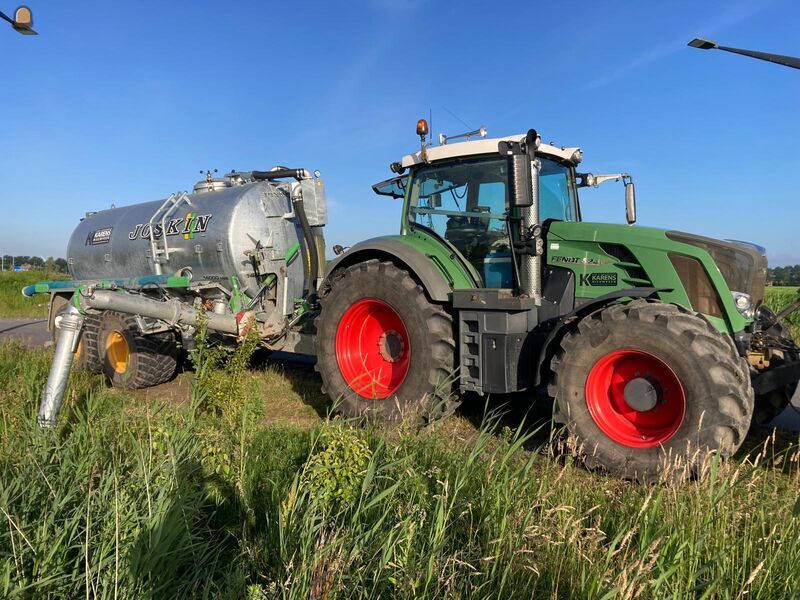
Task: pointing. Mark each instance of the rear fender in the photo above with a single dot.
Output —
(433, 280)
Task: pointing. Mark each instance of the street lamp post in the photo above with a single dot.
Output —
(778, 59)
(22, 21)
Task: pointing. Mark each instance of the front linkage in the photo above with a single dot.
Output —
(775, 358)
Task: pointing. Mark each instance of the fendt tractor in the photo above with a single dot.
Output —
(655, 345)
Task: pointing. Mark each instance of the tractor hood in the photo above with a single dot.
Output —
(704, 273)
(742, 264)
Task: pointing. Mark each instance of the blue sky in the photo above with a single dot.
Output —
(117, 103)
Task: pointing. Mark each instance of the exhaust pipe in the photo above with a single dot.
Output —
(531, 267)
(523, 170)
(70, 324)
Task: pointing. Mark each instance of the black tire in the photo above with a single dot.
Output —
(427, 388)
(87, 357)
(714, 389)
(152, 359)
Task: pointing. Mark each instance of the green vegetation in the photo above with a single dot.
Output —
(14, 304)
(788, 275)
(133, 496)
(778, 298)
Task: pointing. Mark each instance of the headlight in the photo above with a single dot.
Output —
(743, 304)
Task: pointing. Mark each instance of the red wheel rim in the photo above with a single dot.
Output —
(372, 349)
(640, 425)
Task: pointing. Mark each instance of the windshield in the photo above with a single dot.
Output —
(465, 203)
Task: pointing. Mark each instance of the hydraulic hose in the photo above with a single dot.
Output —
(280, 173)
(313, 267)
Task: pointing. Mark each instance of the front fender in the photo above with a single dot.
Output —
(564, 322)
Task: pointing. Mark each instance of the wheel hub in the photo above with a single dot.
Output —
(640, 394)
(117, 351)
(391, 346)
(373, 350)
(635, 398)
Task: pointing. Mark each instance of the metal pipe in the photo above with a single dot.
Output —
(70, 324)
(173, 312)
(531, 265)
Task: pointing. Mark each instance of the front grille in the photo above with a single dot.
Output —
(701, 292)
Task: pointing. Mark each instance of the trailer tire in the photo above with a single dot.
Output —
(383, 349)
(132, 360)
(87, 357)
(647, 389)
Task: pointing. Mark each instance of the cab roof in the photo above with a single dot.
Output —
(482, 146)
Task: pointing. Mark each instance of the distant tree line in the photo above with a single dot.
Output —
(789, 275)
(34, 263)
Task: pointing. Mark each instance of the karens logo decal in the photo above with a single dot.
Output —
(99, 236)
(186, 226)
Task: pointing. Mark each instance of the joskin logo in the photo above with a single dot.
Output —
(586, 261)
(186, 226)
(599, 279)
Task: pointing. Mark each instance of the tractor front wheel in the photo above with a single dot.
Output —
(646, 386)
(383, 349)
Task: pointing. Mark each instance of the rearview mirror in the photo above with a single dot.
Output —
(630, 201)
(436, 200)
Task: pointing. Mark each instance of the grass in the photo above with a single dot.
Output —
(133, 496)
(778, 298)
(14, 304)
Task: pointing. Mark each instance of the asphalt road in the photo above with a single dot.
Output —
(33, 332)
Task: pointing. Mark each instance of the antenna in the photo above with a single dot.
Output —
(430, 122)
(457, 118)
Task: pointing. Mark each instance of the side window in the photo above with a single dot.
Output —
(465, 203)
(492, 197)
(555, 193)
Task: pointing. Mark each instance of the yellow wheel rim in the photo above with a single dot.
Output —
(117, 352)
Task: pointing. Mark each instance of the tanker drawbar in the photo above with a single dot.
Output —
(242, 251)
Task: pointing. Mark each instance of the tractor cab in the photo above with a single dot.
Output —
(460, 194)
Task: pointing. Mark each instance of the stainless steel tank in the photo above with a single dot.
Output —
(210, 234)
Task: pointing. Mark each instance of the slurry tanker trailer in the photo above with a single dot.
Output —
(654, 345)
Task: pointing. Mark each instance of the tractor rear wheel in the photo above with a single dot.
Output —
(87, 358)
(383, 349)
(132, 360)
(648, 387)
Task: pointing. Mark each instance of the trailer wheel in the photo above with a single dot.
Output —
(383, 349)
(647, 387)
(87, 358)
(132, 360)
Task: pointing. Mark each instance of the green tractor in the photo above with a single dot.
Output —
(655, 345)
